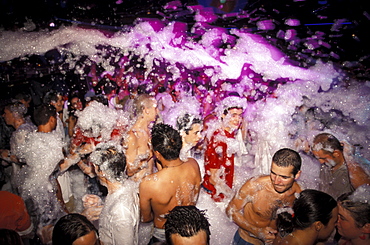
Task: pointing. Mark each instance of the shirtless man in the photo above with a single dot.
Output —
(177, 182)
(139, 154)
(254, 207)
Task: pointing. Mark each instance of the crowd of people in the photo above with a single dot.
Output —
(127, 165)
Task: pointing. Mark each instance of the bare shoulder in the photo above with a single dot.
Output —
(150, 181)
(192, 162)
(255, 184)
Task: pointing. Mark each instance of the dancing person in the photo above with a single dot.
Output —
(354, 217)
(253, 208)
(311, 219)
(119, 219)
(44, 156)
(339, 172)
(139, 154)
(219, 157)
(75, 229)
(176, 183)
(187, 225)
(14, 116)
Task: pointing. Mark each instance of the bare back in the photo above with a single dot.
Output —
(170, 187)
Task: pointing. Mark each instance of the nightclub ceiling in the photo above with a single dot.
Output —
(343, 23)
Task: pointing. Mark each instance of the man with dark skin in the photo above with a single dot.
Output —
(176, 183)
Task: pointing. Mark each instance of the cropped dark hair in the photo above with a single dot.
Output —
(287, 157)
(186, 221)
(326, 142)
(186, 122)
(311, 206)
(71, 227)
(360, 211)
(42, 114)
(167, 141)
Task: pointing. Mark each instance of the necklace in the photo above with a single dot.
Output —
(165, 166)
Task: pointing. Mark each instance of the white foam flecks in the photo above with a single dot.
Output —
(361, 194)
(275, 121)
(97, 120)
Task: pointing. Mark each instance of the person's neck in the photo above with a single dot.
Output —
(44, 128)
(359, 241)
(17, 123)
(172, 163)
(340, 163)
(113, 186)
(304, 237)
(142, 123)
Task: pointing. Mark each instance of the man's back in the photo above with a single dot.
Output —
(170, 187)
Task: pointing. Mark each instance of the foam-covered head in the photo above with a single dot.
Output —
(110, 160)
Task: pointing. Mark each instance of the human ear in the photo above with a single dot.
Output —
(366, 228)
(298, 174)
(336, 153)
(318, 225)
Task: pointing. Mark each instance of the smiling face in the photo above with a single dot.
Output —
(282, 178)
(58, 104)
(233, 119)
(76, 103)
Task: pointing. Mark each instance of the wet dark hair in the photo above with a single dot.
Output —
(109, 159)
(327, 141)
(311, 206)
(10, 237)
(42, 113)
(360, 211)
(71, 227)
(186, 122)
(167, 141)
(287, 157)
(226, 111)
(186, 221)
